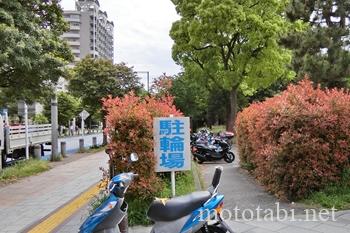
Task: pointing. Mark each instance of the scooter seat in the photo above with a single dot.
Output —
(175, 208)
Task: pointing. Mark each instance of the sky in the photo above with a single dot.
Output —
(141, 33)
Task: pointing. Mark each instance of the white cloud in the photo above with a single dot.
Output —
(141, 33)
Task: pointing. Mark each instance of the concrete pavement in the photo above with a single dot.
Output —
(31, 199)
(241, 190)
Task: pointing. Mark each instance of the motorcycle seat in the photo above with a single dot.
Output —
(177, 207)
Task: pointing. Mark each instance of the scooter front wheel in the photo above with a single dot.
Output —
(229, 157)
(213, 229)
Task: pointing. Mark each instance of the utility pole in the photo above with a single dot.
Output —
(54, 128)
(26, 129)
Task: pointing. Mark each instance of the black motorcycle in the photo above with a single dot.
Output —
(219, 149)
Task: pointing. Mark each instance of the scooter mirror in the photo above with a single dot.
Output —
(108, 151)
(134, 157)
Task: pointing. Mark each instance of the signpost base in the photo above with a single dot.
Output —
(173, 183)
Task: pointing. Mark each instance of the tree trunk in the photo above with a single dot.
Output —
(231, 111)
(104, 142)
(104, 125)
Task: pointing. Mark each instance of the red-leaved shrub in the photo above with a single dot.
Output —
(297, 142)
(129, 123)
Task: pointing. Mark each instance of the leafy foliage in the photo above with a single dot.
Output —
(68, 108)
(232, 45)
(161, 86)
(130, 129)
(190, 97)
(95, 79)
(32, 55)
(322, 51)
(40, 119)
(297, 142)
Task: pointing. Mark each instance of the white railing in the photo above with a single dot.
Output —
(37, 134)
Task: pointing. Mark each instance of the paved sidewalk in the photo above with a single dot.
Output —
(28, 201)
(241, 190)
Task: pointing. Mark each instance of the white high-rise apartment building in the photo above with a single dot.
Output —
(90, 31)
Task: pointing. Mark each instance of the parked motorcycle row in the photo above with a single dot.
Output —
(205, 146)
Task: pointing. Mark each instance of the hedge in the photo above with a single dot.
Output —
(297, 142)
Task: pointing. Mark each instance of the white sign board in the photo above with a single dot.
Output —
(84, 114)
(172, 143)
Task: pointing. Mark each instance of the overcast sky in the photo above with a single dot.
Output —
(141, 33)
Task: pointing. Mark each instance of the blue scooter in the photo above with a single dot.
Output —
(184, 214)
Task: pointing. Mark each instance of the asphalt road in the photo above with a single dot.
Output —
(242, 191)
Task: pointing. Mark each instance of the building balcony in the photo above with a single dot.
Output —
(74, 43)
(71, 35)
(76, 51)
(74, 27)
(72, 19)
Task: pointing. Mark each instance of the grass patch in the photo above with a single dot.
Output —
(23, 169)
(137, 211)
(196, 170)
(97, 201)
(337, 196)
(92, 149)
(248, 166)
(218, 128)
(184, 185)
(334, 195)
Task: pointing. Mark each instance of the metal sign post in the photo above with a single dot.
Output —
(83, 115)
(172, 145)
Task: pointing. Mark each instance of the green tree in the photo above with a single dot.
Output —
(322, 51)
(68, 107)
(94, 79)
(191, 97)
(32, 55)
(234, 43)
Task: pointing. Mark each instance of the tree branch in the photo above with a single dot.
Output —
(202, 48)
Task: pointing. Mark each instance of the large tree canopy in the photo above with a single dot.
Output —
(322, 52)
(234, 43)
(32, 56)
(95, 79)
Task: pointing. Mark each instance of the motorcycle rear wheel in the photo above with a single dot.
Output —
(229, 157)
